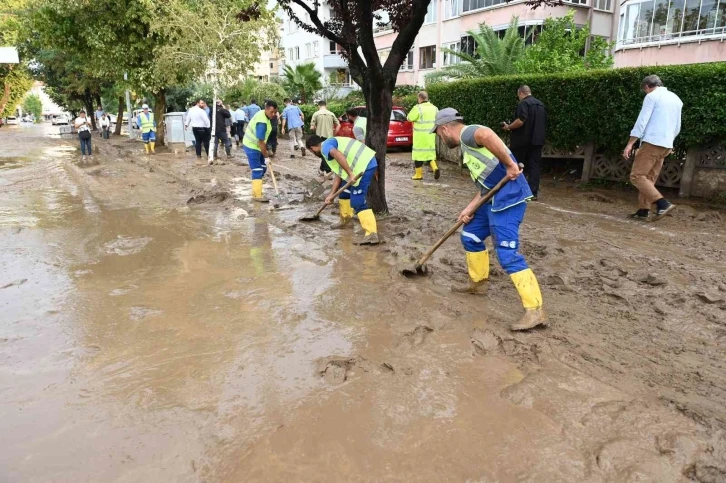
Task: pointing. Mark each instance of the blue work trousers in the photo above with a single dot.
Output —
(357, 194)
(257, 163)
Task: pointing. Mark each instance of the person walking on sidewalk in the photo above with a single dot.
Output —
(252, 109)
(255, 146)
(98, 114)
(83, 127)
(657, 126)
(145, 121)
(293, 119)
(528, 136)
(326, 125)
(424, 141)
(198, 119)
(348, 158)
(489, 161)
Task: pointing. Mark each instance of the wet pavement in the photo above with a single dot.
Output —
(146, 340)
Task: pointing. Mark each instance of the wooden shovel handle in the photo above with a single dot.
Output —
(458, 224)
(335, 195)
(272, 174)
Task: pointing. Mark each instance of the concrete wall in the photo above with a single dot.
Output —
(708, 182)
(670, 54)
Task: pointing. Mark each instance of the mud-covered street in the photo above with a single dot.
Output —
(157, 326)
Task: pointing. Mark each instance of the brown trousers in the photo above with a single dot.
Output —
(646, 169)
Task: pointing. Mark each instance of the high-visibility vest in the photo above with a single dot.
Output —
(356, 153)
(424, 142)
(250, 140)
(483, 166)
(147, 122)
(362, 123)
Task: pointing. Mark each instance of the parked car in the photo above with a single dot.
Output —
(12, 121)
(58, 120)
(400, 129)
(113, 118)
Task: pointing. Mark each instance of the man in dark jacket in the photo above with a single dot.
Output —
(223, 119)
(528, 135)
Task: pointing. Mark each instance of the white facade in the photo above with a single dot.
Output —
(300, 47)
(50, 108)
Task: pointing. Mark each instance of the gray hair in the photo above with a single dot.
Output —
(524, 89)
(423, 95)
(651, 81)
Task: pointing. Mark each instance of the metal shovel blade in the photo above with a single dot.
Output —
(314, 217)
(414, 271)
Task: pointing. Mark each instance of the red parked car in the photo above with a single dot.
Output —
(400, 129)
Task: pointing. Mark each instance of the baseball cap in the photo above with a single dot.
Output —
(445, 116)
(145, 106)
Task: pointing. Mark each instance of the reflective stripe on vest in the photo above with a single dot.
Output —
(250, 140)
(424, 123)
(147, 124)
(480, 161)
(358, 161)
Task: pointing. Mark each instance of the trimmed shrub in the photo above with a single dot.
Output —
(599, 106)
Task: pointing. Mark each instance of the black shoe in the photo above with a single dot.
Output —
(640, 215)
(302, 151)
(437, 173)
(292, 155)
(661, 212)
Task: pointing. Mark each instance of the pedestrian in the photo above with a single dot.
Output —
(198, 119)
(83, 127)
(145, 121)
(424, 141)
(272, 140)
(252, 109)
(348, 158)
(105, 124)
(657, 126)
(293, 119)
(223, 119)
(489, 161)
(360, 123)
(255, 146)
(528, 136)
(98, 114)
(325, 124)
(240, 117)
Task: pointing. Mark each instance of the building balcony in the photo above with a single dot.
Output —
(334, 61)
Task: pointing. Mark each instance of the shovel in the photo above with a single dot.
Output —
(419, 268)
(316, 216)
(278, 200)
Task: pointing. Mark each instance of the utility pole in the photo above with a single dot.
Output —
(213, 141)
(128, 104)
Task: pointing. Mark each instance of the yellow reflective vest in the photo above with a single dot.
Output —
(423, 116)
(250, 140)
(147, 123)
(356, 153)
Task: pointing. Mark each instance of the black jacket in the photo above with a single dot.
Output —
(222, 114)
(534, 116)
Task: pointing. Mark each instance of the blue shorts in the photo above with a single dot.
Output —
(503, 226)
(148, 136)
(257, 163)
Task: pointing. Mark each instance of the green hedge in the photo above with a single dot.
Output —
(338, 108)
(599, 106)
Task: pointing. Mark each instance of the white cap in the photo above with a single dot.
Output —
(145, 106)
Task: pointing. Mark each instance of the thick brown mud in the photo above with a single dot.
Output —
(159, 326)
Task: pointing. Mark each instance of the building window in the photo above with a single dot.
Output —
(334, 48)
(383, 23)
(451, 9)
(383, 55)
(308, 50)
(427, 57)
(447, 57)
(408, 61)
(296, 53)
(468, 45)
(293, 26)
(316, 49)
(659, 20)
(341, 77)
(471, 5)
(604, 5)
(431, 13)
(290, 54)
(577, 2)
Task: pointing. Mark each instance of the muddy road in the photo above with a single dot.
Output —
(156, 326)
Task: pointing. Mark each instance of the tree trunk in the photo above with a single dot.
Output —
(88, 101)
(379, 101)
(159, 111)
(98, 100)
(119, 118)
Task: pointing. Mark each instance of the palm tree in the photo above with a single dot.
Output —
(493, 55)
(304, 80)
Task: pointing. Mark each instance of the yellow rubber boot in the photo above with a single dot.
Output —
(257, 192)
(368, 223)
(346, 215)
(418, 174)
(435, 169)
(528, 288)
(151, 145)
(478, 265)
(146, 148)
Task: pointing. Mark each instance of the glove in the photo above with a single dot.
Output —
(267, 160)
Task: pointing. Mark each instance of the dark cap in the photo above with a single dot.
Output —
(445, 116)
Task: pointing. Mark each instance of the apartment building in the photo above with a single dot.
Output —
(300, 46)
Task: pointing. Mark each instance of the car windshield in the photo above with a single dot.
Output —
(396, 115)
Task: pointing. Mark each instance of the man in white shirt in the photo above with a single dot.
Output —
(240, 117)
(198, 119)
(657, 126)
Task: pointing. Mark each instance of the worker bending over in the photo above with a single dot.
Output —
(145, 121)
(255, 146)
(489, 161)
(424, 141)
(348, 158)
